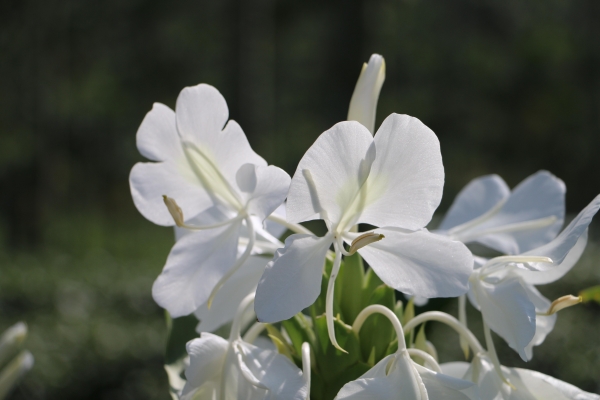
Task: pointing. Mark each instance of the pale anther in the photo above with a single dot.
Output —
(174, 210)
(563, 302)
(364, 240)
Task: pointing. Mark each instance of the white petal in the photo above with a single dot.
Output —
(274, 228)
(207, 355)
(420, 263)
(456, 369)
(543, 323)
(478, 197)
(366, 93)
(444, 387)
(546, 387)
(555, 272)
(559, 248)
(196, 263)
(339, 162)
(201, 115)
(507, 310)
(229, 297)
(211, 216)
(407, 176)
(150, 181)
(292, 281)
(157, 137)
(262, 188)
(274, 371)
(542, 195)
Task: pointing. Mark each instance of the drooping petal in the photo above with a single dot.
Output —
(196, 263)
(207, 355)
(262, 188)
(292, 281)
(507, 310)
(478, 197)
(407, 177)
(530, 217)
(406, 262)
(227, 300)
(543, 323)
(559, 248)
(157, 138)
(338, 164)
(150, 181)
(363, 103)
(273, 370)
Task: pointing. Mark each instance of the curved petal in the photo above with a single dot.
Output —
(559, 248)
(407, 177)
(292, 281)
(444, 387)
(507, 310)
(478, 197)
(207, 355)
(455, 369)
(228, 298)
(196, 263)
(157, 138)
(420, 263)
(512, 229)
(555, 272)
(338, 162)
(150, 181)
(543, 323)
(274, 371)
(263, 188)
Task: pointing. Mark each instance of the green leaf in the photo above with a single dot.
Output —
(299, 330)
(370, 282)
(421, 342)
(590, 294)
(377, 331)
(180, 331)
(350, 281)
(330, 361)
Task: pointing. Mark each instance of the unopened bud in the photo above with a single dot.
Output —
(366, 93)
(364, 240)
(174, 210)
(563, 302)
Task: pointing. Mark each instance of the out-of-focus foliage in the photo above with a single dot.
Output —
(510, 87)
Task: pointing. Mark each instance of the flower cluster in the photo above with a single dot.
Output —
(325, 326)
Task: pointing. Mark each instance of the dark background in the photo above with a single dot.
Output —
(509, 87)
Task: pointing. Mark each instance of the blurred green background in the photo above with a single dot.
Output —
(510, 87)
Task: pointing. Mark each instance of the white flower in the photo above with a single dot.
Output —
(208, 174)
(347, 177)
(235, 369)
(503, 287)
(524, 384)
(487, 212)
(363, 104)
(397, 376)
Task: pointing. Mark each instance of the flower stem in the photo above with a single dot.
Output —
(427, 357)
(297, 228)
(379, 309)
(329, 299)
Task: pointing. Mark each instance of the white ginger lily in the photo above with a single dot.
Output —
(206, 172)
(397, 376)
(487, 212)
(347, 177)
(503, 288)
(524, 384)
(363, 105)
(236, 369)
